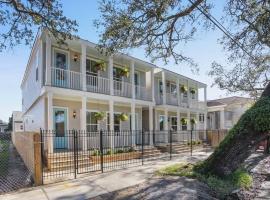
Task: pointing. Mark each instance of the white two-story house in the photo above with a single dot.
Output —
(65, 87)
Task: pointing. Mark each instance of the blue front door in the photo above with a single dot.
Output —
(60, 127)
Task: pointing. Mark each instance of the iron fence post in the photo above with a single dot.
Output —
(142, 147)
(74, 152)
(218, 136)
(101, 150)
(191, 145)
(170, 132)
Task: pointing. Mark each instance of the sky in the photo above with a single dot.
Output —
(204, 50)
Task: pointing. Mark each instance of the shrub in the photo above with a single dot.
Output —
(241, 178)
(96, 152)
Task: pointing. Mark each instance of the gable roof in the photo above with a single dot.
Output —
(228, 101)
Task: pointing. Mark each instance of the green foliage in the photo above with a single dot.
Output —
(184, 121)
(184, 88)
(241, 178)
(222, 186)
(100, 115)
(257, 119)
(96, 152)
(123, 117)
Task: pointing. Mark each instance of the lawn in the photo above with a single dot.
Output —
(4, 157)
(222, 186)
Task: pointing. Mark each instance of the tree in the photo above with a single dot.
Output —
(19, 20)
(161, 25)
(251, 26)
(10, 123)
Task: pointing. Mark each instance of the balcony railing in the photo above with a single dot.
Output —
(122, 88)
(97, 84)
(66, 78)
(142, 93)
(171, 99)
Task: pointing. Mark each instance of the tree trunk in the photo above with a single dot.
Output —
(241, 140)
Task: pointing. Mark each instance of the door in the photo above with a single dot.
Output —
(60, 127)
(136, 82)
(60, 73)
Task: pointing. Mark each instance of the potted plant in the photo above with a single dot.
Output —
(123, 117)
(183, 89)
(193, 121)
(99, 116)
(100, 66)
(184, 121)
(192, 91)
(124, 72)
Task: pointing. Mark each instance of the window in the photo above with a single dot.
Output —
(160, 87)
(91, 122)
(117, 74)
(21, 127)
(228, 115)
(174, 123)
(36, 74)
(116, 122)
(90, 67)
(173, 89)
(201, 118)
(161, 122)
(61, 60)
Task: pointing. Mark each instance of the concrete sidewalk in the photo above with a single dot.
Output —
(91, 186)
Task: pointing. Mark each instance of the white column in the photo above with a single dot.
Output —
(166, 125)
(205, 94)
(48, 60)
(110, 70)
(151, 127)
(222, 119)
(153, 85)
(133, 127)
(164, 87)
(111, 113)
(198, 122)
(178, 91)
(83, 121)
(205, 125)
(188, 94)
(188, 120)
(50, 121)
(178, 120)
(132, 70)
(83, 67)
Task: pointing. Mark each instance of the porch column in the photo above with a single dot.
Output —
(50, 121)
(132, 78)
(205, 125)
(111, 113)
(133, 127)
(48, 60)
(178, 91)
(188, 119)
(163, 88)
(178, 120)
(110, 70)
(222, 120)
(205, 94)
(151, 127)
(83, 67)
(188, 94)
(153, 85)
(198, 122)
(166, 125)
(83, 121)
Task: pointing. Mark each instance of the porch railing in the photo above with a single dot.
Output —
(171, 99)
(97, 84)
(142, 93)
(66, 78)
(122, 88)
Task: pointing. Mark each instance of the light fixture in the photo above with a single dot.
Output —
(74, 114)
(75, 58)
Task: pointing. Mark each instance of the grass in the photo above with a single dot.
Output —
(4, 157)
(222, 186)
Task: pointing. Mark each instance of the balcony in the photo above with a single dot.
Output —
(97, 84)
(122, 88)
(66, 79)
(142, 93)
(171, 99)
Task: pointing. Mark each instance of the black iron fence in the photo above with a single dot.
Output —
(74, 152)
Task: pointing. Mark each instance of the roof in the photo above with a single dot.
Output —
(228, 101)
(2, 122)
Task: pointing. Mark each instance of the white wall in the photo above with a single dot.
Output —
(34, 118)
(31, 88)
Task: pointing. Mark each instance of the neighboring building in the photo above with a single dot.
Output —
(65, 86)
(17, 124)
(3, 126)
(224, 113)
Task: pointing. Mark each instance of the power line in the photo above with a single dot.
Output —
(220, 27)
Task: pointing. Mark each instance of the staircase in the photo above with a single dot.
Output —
(151, 152)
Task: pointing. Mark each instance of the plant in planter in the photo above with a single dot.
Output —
(184, 121)
(193, 121)
(100, 66)
(99, 116)
(123, 117)
(192, 91)
(124, 72)
(183, 89)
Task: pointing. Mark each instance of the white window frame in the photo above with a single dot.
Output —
(55, 50)
(171, 122)
(92, 111)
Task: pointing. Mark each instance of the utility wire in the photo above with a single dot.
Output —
(220, 27)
